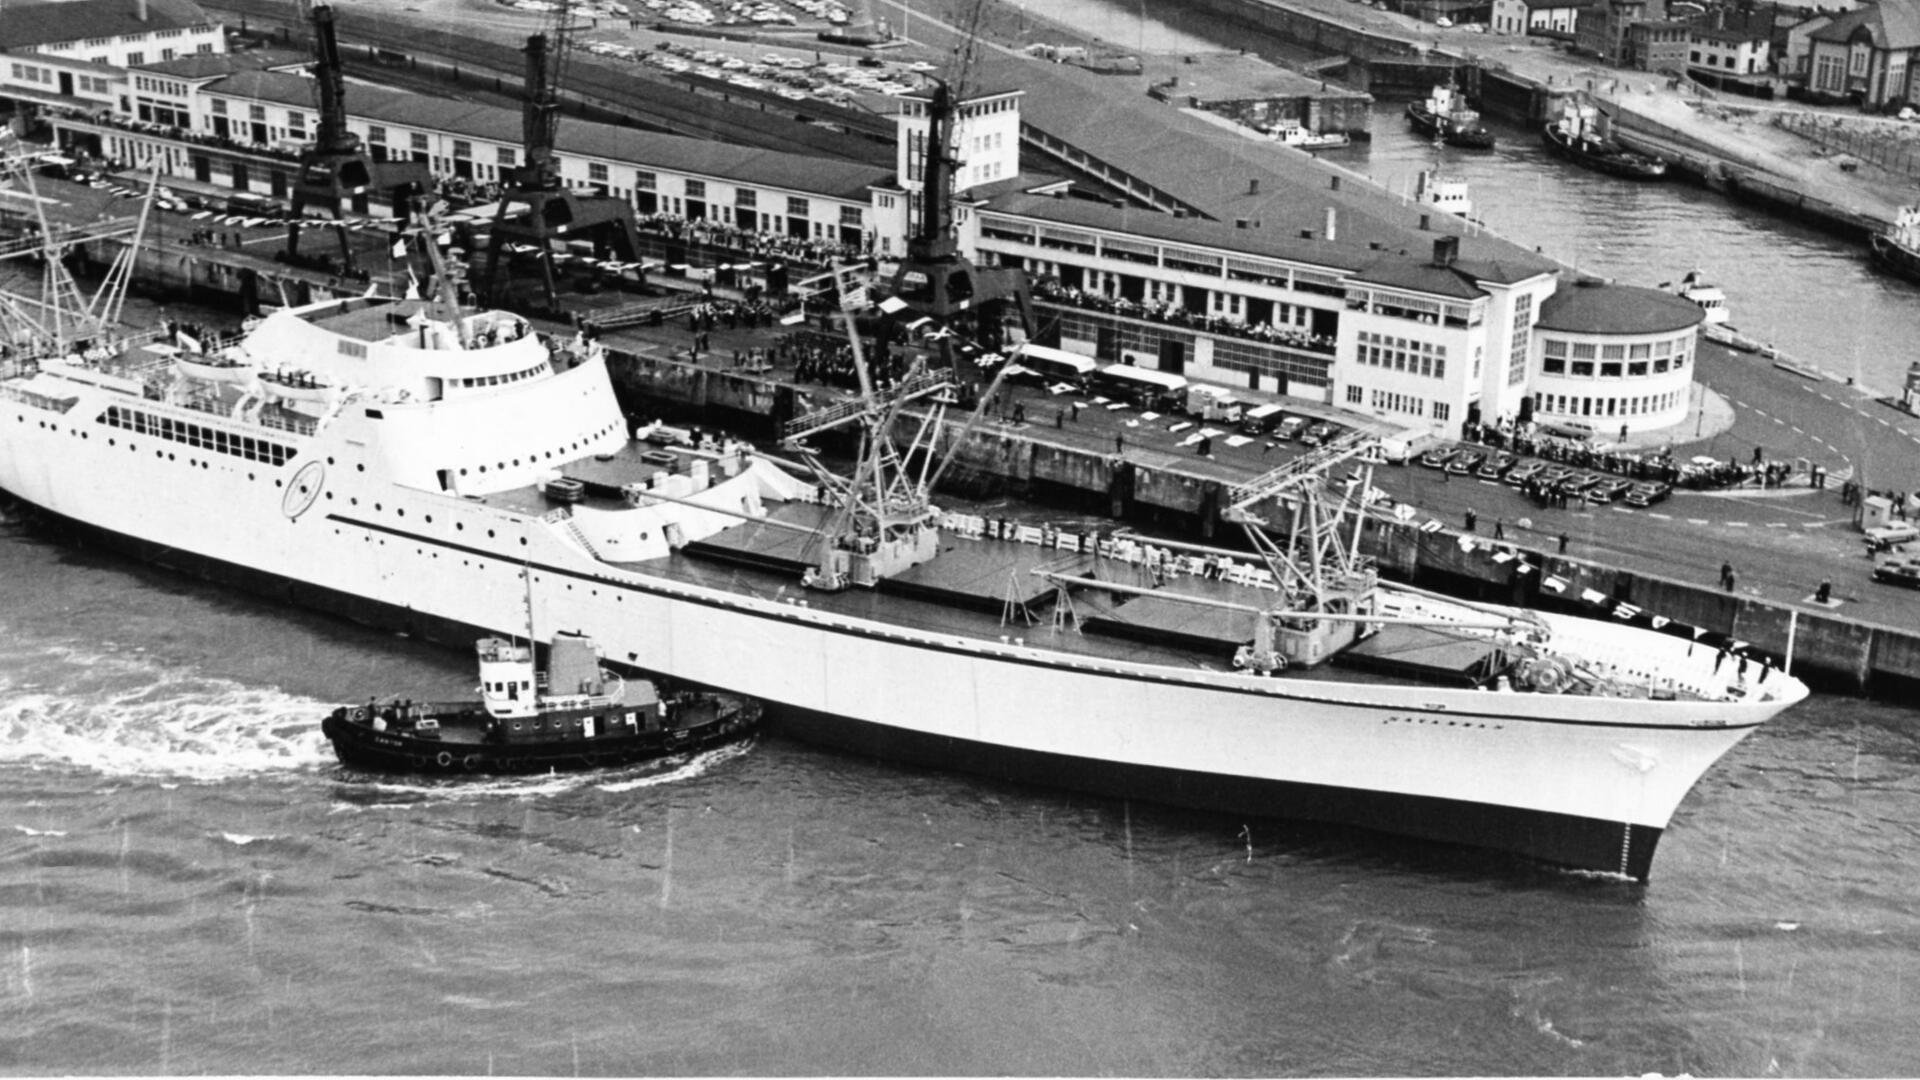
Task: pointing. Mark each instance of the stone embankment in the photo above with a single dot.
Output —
(1831, 652)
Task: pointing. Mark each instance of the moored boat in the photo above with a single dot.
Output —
(1293, 133)
(1444, 115)
(1579, 135)
(573, 715)
(1710, 298)
(1897, 249)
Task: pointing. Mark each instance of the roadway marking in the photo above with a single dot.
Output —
(1698, 521)
(1778, 525)
(1736, 524)
(1662, 517)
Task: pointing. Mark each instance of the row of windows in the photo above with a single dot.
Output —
(1421, 358)
(31, 74)
(1612, 369)
(147, 84)
(1587, 350)
(1388, 401)
(535, 459)
(206, 438)
(496, 380)
(1576, 405)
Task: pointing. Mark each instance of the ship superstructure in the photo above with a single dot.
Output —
(412, 464)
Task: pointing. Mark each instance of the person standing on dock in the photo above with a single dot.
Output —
(1726, 576)
(1471, 519)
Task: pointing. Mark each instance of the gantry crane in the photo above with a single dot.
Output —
(538, 208)
(337, 166)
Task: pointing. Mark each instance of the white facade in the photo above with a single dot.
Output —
(133, 50)
(1613, 382)
(985, 140)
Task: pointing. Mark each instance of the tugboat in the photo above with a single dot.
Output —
(1897, 250)
(1577, 136)
(574, 715)
(1445, 116)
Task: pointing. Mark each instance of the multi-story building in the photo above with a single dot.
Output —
(52, 45)
(1660, 45)
(1732, 43)
(1602, 28)
(1869, 53)
(1615, 357)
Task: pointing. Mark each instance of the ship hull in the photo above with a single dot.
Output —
(1427, 122)
(1607, 846)
(1614, 161)
(1611, 843)
(1902, 262)
(362, 746)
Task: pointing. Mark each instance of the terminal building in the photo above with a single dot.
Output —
(1301, 282)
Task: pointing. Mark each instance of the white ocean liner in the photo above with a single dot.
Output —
(412, 481)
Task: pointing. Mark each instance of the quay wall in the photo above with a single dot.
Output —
(1829, 651)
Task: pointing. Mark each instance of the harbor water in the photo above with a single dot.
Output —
(188, 883)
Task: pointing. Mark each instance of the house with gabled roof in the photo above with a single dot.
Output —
(1867, 55)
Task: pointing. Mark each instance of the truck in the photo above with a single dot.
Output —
(1212, 403)
(1404, 445)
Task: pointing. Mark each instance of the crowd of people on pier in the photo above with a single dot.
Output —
(1162, 311)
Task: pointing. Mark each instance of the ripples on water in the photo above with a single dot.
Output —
(189, 884)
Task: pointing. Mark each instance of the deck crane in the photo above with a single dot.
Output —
(538, 209)
(336, 165)
(59, 318)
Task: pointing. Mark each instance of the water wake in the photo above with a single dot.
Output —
(126, 715)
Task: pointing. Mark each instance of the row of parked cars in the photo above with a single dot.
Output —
(1541, 478)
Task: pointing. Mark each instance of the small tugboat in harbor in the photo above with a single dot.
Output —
(574, 715)
(1445, 116)
(1579, 136)
(1897, 250)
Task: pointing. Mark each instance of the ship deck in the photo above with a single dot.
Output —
(987, 588)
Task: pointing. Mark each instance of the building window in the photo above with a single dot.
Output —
(643, 181)
(418, 141)
(1441, 411)
(850, 217)
(797, 206)
(745, 199)
(257, 113)
(696, 189)
(1353, 395)
(135, 59)
(462, 149)
(503, 155)
(219, 107)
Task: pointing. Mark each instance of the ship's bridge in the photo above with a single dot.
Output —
(382, 344)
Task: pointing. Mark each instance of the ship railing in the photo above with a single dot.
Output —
(298, 425)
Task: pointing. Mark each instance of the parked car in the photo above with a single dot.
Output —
(1496, 466)
(1318, 434)
(1289, 429)
(1887, 536)
(1607, 491)
(1577, 484)
(1553, 476)
(1466, 462)
(1438, 457)
(1646, 494)
(1524, 471)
